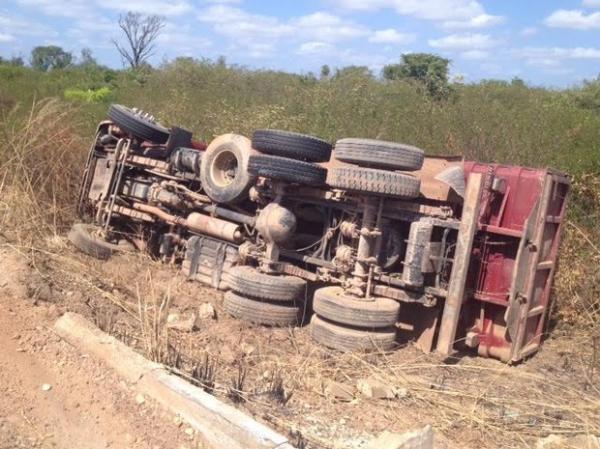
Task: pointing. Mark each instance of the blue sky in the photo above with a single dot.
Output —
(545, 42)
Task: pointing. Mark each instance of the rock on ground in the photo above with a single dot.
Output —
(418, 439)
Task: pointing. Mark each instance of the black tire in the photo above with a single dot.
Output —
(289, 170)
(291, 145)
(379, 154)
(374, 181)
(332, 303)
(348, 339)
(259, 312)
(85, 239)
(251, 282)
(137, 125)
(224, 169)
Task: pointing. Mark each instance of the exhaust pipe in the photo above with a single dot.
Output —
(203, 224)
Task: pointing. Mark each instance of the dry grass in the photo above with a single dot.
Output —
(153, 310)
(41, 159)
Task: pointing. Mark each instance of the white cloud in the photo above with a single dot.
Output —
(480, 21)
(20, 26)
(62, 8)
(529, 31)
(85, 9)
(475, 54)
(575, 19)
(553, 56)
(440, 10)
(238, 24)
(327, 27)
(259, 35)
(4, 37)
(314, 48)
(591, 3)
(183, 38)
(464, 41)
(391, 36)
(160, 7)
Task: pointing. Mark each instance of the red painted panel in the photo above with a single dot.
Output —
(502, 219)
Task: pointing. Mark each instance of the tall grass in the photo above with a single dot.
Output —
(40, 164)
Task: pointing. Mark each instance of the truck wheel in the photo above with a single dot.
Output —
(291, 145)
(260, 312)
(86, 238)
(224, 169)
(137, 124)
(285, 169)
(332, 303)
(251, 282)
(348, 339)
(379, 154)
(377, 182)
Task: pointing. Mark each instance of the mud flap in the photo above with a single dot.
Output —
(423, 325)
(524, 253)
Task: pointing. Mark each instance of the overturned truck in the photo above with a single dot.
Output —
(370, 243)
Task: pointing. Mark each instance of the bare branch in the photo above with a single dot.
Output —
(140, 34)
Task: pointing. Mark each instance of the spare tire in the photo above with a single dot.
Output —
(224, 169)
(289, 170)
(377, 182)
(292, 145)
(138, 125)
(379, 154)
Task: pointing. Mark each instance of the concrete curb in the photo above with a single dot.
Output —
(218, 424)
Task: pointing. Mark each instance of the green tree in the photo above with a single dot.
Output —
(221, 61)
(517, 82)
(428, 69)
(50, 57)
(325, 71)
(17, 61)
(359, 70)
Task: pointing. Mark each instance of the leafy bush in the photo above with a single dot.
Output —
(102, 94)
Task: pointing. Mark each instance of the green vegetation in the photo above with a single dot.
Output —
(497, 121)
(101, 94)
(50, 57)
(431, 71)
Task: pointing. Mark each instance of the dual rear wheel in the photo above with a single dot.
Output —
(267, 299)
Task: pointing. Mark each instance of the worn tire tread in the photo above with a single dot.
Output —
(80, 235)
(291, 145)
(346, 339)
(374, 181)
(128, 121)
(285, 169)
(332, 304)
(259, 312)
(379, 154)
(252, 283)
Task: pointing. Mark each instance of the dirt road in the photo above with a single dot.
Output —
(53, 397)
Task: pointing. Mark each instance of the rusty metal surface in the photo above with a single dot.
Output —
(462, 256)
